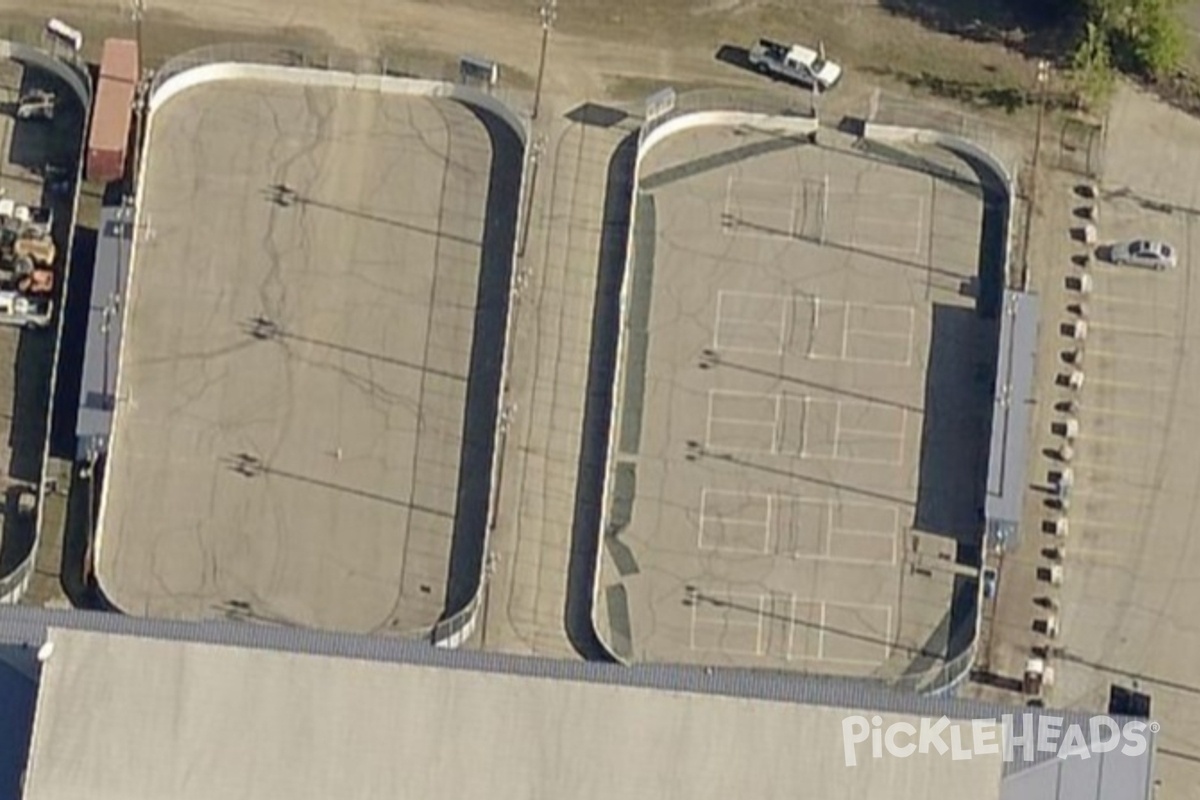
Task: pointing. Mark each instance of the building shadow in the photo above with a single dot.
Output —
(36, 143)
(265, 329)
(586, 534)
(19, 528)
(735, 56)
(18, 698)
(284, 196)
(596, 115)
(77, 297)
(249, 465)
(485, 371)
(31, 379)
(720, 160)
(952, 473)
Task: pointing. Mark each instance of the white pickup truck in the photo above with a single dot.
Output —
(795, 62)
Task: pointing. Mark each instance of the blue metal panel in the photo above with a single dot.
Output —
(1012, 414)
(97, 394)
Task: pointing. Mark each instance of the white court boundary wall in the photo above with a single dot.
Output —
(961, 146)
(456, 629)
(953, 673)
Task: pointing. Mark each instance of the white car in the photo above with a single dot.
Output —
(795, 62)
(1144, 253)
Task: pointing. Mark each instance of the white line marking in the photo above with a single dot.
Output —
(920, 226)
(889, 534)
(775, 427)
(741, 421)
(769, 528)
(717, 323)
(837, 427)
(706, 517)
(821, 634)
(1116, 300)
(792, 219)
(709, 421)
(1093, 438)
(1103, 525)
(1128, 330)
(816, 324)
(692, 628)
(1141, 359)
(845, 328)
(783, 325)
(791, 637)
(873, 434)
(804, 427)
(887, 639)
(827, 534)
(728, 203)
(758, 645)
(1112, 411)
(1132, 386)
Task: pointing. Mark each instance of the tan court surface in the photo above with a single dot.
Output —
(291, 402)
(768, 468)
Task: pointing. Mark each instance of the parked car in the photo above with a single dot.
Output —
(1144, 253)
(795, 62)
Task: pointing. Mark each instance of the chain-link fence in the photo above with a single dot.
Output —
(947, 675)
(477, 73)
(664, 106)
(395, 63)
(1007, 144)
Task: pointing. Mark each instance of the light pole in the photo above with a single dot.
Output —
(137, 11)
(1043, 80)
(548, 11)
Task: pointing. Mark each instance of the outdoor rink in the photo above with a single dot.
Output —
(771, 416)
(290, 430)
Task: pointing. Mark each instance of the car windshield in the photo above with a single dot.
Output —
(1166, 251)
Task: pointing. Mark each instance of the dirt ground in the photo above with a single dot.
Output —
(597, 47)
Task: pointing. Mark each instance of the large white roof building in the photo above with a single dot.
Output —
(139, 710)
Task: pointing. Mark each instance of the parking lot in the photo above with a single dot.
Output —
(292, 440)
(1121, 616)
(770, 494)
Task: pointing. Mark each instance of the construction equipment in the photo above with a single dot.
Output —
(40, 251)
(16, 309)
(38, 104)
(38, 282)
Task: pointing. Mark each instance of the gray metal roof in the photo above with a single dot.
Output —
(187, 721)
(1013, 410)
(109, 278)
(28, 626)
(1103, 776)
(1123, 777)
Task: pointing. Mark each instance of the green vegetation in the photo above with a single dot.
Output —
(1143, 38)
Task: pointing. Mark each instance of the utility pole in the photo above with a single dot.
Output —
(548, 11)
(138, 11)
(1043, 80)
